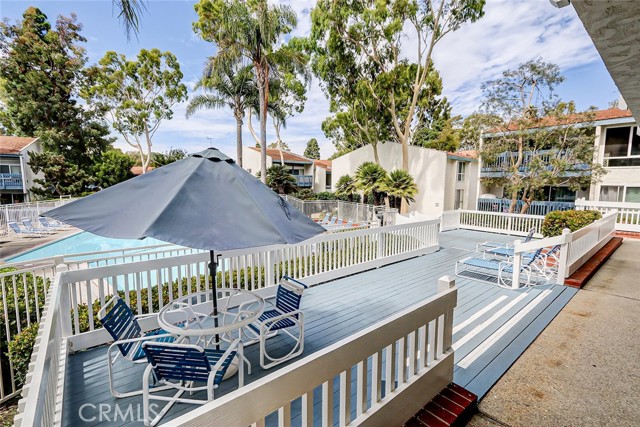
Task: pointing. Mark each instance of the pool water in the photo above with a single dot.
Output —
(82, 242)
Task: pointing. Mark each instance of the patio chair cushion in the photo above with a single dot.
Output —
(186, 363)
(269, 314)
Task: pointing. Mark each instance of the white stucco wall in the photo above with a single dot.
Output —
(251, 160)
(428, 168)
(319, 179)
(27, 173)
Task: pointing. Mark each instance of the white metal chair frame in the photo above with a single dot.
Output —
(280, 317)
(186, 385)
(114, 352)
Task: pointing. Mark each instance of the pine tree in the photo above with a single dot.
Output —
(313, 150)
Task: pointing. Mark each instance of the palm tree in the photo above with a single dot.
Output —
(252, 30)
(399, 185)
(370, 178)
(231, 86)
(279, 179)
(129, 14)
(346, 186)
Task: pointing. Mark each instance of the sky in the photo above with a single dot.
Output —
(510, 33)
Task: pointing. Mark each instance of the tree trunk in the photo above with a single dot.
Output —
(263, 137)
(376, 158)
(514, 201)
(239, 141)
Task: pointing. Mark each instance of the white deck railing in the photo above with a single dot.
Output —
(316, 260)
(43, 391)
(576, 247)
(323, 258)
(357, 212)
(493, 222)
(409, 356)
(628, 214)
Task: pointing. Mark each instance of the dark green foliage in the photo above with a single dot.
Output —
(556, 221)
(170, 156)
(280, 180)
(114, 167)
(42, 69)
(313, 149)
(20, 349)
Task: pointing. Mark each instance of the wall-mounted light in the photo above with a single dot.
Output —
(560, 3)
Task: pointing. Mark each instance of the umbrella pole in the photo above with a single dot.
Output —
(213, 267)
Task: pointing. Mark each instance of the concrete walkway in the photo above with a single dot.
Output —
(13, 246)
(583, 370)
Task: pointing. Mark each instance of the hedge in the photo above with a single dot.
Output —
(556, 221)
(20, 349)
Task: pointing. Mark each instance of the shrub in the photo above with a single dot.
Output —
(20, 349)
(556, 221)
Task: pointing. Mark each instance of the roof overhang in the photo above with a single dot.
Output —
(614, 27)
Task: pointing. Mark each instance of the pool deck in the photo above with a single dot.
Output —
(12, 246)
(492, 327)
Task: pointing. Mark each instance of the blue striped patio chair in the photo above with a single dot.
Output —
(490, 245)
(325, 219)
(23, 233)
(118, 319)
(32, 229)
(185, 367)
(501, 270)
(283, 316)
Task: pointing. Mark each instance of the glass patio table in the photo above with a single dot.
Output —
(191, 316)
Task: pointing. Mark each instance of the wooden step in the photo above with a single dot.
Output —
(453, 406)
(582, 275)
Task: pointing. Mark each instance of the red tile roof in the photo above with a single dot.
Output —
(599, 115)
(325, 164)
(288, 156)
(14, 144)
(471, 154)
(137, 170)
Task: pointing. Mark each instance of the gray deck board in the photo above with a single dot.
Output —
(342, 307)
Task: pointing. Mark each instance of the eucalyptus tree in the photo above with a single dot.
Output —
(540, 140)
(253, 30)
(137, 95)
(358, 46)
(229, 86)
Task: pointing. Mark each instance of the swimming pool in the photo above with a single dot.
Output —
(82, 242)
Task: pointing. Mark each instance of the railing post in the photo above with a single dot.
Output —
(517, 263)
(563, 267)
(444, 284)
(65, 303)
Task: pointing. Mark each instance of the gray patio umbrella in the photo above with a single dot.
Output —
(205, 201)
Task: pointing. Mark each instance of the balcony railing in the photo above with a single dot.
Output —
(537, 207)
(304, 181)
(10, 181)
(503, 164)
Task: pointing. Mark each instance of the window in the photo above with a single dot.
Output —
(461, 170)
(611, 193)
(632, 195)
(622, 147)
(328, 181)
(10, 169)
(459, 203)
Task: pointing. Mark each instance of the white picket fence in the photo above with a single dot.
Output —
(317, 260)
(347, 211)
(628, 214)
(409, 355)
(494, 222)
(15, 212)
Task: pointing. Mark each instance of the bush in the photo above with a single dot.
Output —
(556, 221)
(20, 349)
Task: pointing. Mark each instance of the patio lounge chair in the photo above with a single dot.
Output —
(128, 337)
(326, 219)
(494, 245)
(48, 225)
(285, 316)
(179, 367)
(502, 270)
(30, 227)
(24, 233)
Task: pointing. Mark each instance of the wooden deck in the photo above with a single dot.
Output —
(492, 327)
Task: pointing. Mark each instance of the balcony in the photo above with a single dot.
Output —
(10, 181)
(502, 165)
(304, 181)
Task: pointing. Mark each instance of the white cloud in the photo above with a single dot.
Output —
(511, 32)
